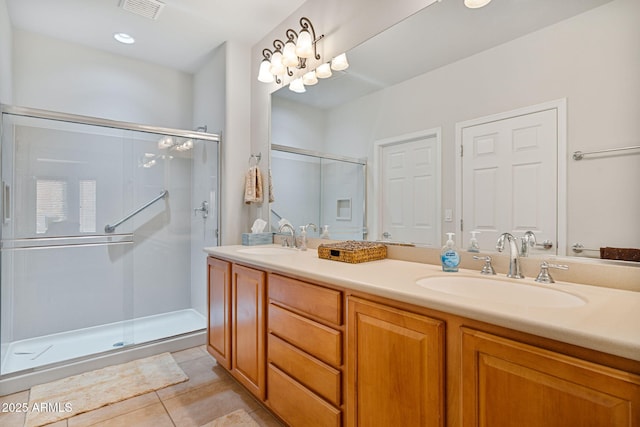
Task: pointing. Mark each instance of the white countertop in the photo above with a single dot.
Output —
(608, 322)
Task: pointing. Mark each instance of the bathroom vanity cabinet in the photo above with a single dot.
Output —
(248, 326)
(395, 365)
(305, 352)
(337, 356)
(236, 331)
(506, 383)
(219, 310)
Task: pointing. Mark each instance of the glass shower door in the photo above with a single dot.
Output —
(65, 285)
(169, 292)
(103, 226)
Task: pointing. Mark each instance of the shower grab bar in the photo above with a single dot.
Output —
(65, 241)
(111, 228)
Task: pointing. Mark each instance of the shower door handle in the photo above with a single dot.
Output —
(6, 203)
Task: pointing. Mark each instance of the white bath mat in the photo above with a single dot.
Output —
(238, 418)
(74, 395)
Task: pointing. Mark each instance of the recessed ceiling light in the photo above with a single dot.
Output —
(475, 4)
(124, 38)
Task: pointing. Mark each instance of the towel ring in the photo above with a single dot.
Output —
(256, 157)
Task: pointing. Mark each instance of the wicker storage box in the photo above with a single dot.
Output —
(353, 251)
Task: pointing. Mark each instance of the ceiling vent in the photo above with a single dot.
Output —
(148, 8)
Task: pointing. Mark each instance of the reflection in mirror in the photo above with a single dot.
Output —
(471, 64)
(318, 188)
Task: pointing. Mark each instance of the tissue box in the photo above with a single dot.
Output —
(251, 239)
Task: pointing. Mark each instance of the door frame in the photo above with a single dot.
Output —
(376, 194)
(560, 105)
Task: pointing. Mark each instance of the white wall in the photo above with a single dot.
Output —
(593, 60)
(6, 39)
(209, 109)
(236, 147)
(297, 125)
(55, 75)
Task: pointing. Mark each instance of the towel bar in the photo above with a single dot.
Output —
(579, 155)
(578, 248)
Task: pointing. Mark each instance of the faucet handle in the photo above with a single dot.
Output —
(544, 276)
(487, 268)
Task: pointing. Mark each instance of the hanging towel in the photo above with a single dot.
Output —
(253, 185)
(259, 188)
(623, 254)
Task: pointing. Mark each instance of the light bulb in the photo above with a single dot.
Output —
(289, 57)
(309, 79)
(304, 47)
(340, 63)
(165, 142)
(323, 71)
(264, 75)
(297, 86)
(277, 68)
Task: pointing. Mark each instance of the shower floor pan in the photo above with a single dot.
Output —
(49, 349)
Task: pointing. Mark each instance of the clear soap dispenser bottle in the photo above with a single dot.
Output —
(449, 256)
(473, 242)
(303, 238)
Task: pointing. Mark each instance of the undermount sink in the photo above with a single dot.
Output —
(269, 250)
(501, 291)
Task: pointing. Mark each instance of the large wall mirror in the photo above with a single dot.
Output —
(434, 76)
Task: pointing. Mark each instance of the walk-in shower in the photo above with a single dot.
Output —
(103, 225)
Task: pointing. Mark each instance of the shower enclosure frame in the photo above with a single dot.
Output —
(23, 379)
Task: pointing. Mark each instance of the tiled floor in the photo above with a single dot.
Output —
(210, 393)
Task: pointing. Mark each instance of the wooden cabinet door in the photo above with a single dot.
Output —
(395, 367)
(219, 322)
(248, 337)
(507, 383)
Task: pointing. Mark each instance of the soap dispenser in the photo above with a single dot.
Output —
(449, 256)
(473, 242)
(325, 232)
(303, 238)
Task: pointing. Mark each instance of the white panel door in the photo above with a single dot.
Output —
(509, 176)
(409, 184)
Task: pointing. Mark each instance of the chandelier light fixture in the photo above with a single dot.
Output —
(291, 57)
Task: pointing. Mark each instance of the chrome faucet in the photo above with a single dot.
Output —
(527, 241)
(487, 268)
(514, 260)
(285, 240)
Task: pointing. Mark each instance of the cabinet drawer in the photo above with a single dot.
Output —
(323, 303)
(314, 338)
(296, 404)
(314, 374)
